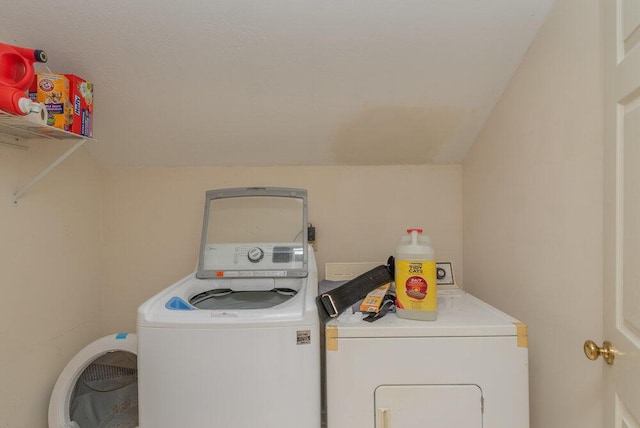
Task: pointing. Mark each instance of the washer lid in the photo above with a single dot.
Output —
(254, 232)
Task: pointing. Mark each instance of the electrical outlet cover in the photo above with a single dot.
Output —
(445, 274)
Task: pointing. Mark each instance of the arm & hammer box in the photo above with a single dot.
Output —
(53, 91)
(69, 100)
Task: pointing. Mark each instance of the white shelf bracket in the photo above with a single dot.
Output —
(40, 176)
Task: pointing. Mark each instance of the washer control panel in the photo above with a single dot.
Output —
(250, 256)
(274, 253)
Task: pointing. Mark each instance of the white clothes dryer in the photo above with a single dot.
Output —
(99, 386)
(467, 369)
(236, 344)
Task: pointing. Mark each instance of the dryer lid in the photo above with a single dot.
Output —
(254, 232)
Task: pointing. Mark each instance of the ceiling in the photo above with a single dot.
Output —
(282, 82)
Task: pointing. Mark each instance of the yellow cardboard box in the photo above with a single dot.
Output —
(53, 91)
(374, 299)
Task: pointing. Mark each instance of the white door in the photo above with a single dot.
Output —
(621, 55)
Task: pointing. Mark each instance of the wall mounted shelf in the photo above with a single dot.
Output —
(21, 128)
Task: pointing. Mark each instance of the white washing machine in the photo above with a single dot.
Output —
(236, 344)
(467, 369)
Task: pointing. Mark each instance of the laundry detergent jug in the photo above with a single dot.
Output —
(415, 277)
(16, 75)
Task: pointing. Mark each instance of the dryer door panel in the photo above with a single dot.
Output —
(432, 406)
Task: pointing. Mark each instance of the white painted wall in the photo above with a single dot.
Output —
(153, 219)
(533, 213)
(49, 275)
(532, 230)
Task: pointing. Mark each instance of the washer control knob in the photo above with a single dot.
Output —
(255, 254)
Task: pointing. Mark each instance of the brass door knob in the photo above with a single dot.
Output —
(593, 351)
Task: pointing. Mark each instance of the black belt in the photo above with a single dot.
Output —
(331, 304)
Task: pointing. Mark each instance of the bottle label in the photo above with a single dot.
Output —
(416, 285)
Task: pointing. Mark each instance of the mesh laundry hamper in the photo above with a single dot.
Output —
(99, 387)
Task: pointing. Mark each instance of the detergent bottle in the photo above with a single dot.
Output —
(16, 75)
(415, 277)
